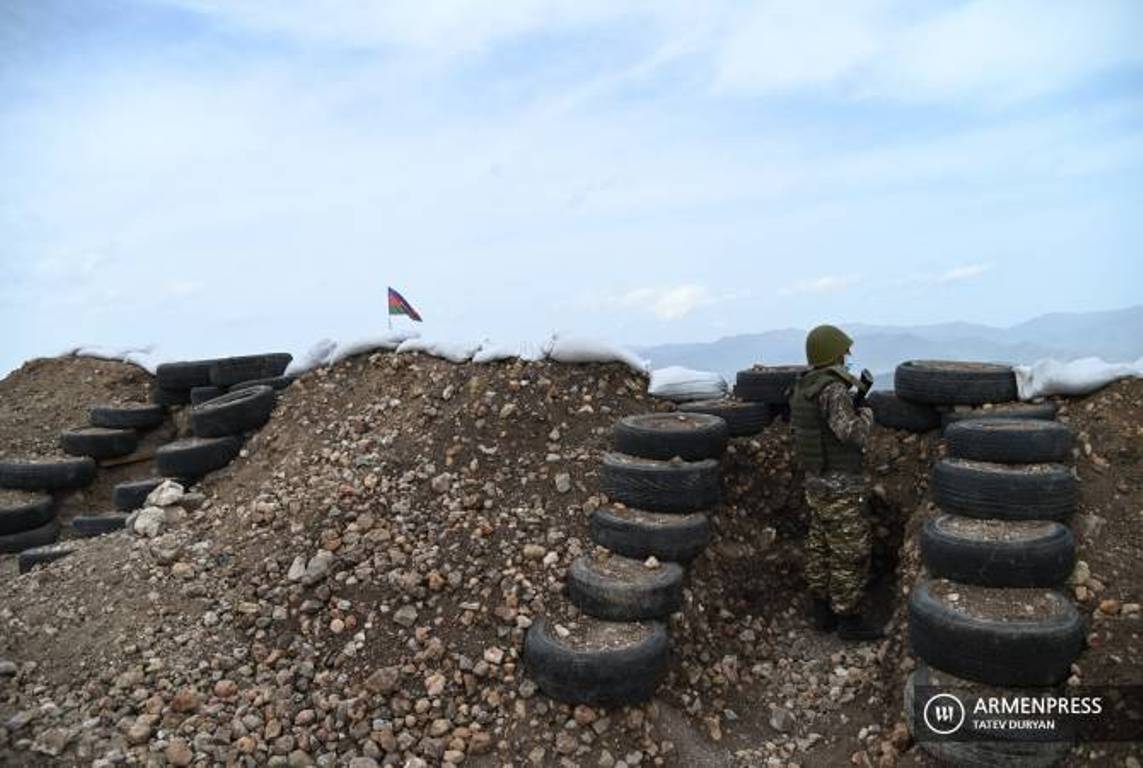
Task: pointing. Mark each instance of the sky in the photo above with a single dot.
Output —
(221, 176)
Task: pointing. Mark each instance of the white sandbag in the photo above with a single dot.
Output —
(386, 341)
(1078, 377)
(579, 350)
(490, 351)
(685, 384)
(143, 357)
(453, 351)
(318, 355)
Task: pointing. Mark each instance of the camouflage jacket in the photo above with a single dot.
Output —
(850, 425)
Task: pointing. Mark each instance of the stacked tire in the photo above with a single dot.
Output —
(28, 503)
(198, 381)
(229, 398)
(660, 483)
(770, 386)
(990, 613)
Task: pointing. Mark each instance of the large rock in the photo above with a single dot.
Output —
(165, 495)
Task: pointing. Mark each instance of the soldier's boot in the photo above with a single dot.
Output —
(857, 627)
(821, 614)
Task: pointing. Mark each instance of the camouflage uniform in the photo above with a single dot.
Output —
(838, 545)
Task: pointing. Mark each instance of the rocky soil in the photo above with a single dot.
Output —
(354, 590)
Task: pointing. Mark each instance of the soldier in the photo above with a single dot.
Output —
(830, 429)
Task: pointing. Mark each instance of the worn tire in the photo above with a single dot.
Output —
(169, 397)
(663, 436)
(131, 495)
(742, 419)
(639, 534)
(184, 375)
(24, 510)
(996, 553)
(99, 442)
(769, 384)
(229, 371)
(194, 457)
(601, 662)
(1005, 491)
(950, 382)
(200, 395)
(660, 486)
(998, 650)
(52, 474)
(987, 750)
(897, 413)
(277, 383)
(88, 526)
(1010, 441)
(617, 588)
(1045, 411)
(47, 533)
(46, 553)
(127, 416)
(233, 413)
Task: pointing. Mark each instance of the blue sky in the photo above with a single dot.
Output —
(214, 176)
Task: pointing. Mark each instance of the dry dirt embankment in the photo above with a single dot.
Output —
(450, 500)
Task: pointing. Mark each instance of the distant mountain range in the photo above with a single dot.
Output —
(1116, 336)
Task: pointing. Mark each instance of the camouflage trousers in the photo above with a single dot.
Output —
(838, 546)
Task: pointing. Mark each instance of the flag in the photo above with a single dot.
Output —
(398, 306)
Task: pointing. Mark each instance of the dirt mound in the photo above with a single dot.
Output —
(358, 585)
(46, 396)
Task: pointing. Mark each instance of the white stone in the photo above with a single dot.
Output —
(150, 522)
(165, 495)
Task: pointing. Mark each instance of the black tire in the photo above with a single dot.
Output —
(1005, 648)
(47, 553)
(23, 510)
(194, 457)
(99, 442)
(200, 395)
(1005, 491)
(950, 382)
(998, 553)
(233, 370)
(1010, 441)
(277, 383)
(131, 495)
(51, 474)
(184, 375)
(987, 749)
(639, 534)
(896, 413)
(618, 588)
(169, 397)
(233, 413)
(663, 436)
(742, 419)
(660, 486)
(35, 537)
(769, 384)
(599, 662)
(88, 526)
(1045, 411)
(127, 416)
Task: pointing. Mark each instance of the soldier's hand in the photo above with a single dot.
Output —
(865, 383)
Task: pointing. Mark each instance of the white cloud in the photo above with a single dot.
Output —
(820, 285)
(966, 272)
(984, 51)
(665, 303)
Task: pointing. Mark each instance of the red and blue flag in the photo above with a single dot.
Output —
(399, 306)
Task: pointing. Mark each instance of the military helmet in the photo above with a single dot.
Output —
(825, 344)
